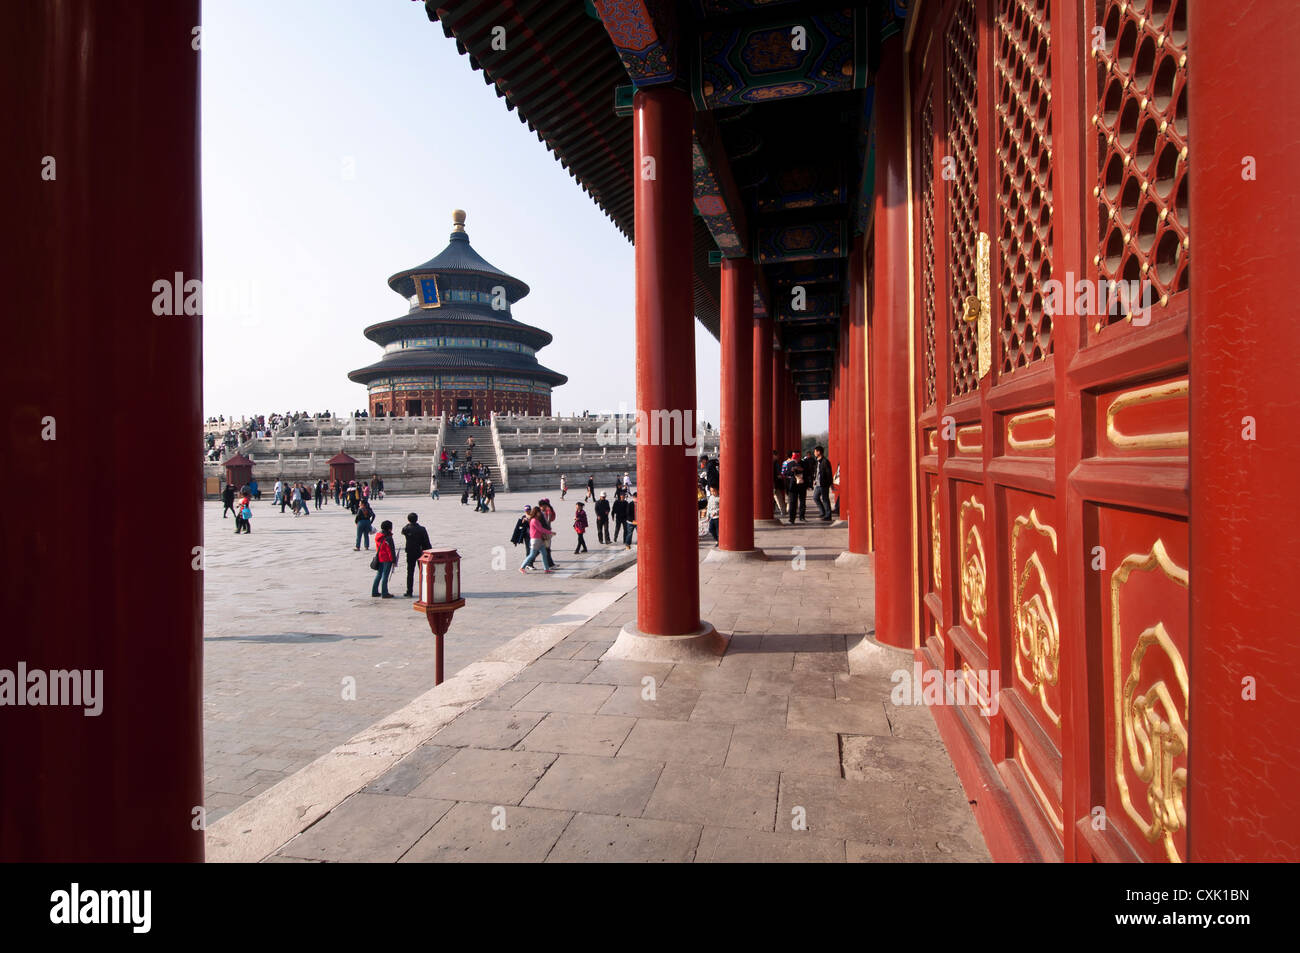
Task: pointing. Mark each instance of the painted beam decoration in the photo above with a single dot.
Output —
(810, 341)
(805, 186)
(804, 241)
(787, 56)
(810, 272)
(643, 33)
(816, 305)
(716, 197)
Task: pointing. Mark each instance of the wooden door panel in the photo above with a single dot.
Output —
(1140, 648)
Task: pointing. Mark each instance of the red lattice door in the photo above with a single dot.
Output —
(1051, 418)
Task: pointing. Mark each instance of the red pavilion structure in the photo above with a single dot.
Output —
(458, 350)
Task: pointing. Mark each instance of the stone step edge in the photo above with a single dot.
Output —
(261, 826)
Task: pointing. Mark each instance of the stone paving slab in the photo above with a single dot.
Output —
(722, 845)
(495, 777)
(602, 785)
(786, 750)
(368, 828)
(568, 733)
(482, 833)
(677, 741)
(715, 796)
(598, 838)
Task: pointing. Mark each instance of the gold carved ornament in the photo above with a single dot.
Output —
(1038, 631)
(974, 571)
(1150, 724)
(936, 543)
(979, 306)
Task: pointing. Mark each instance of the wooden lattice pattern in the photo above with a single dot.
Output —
(962, 177)
(1141, 124)
(927, 246)
(1022, 60)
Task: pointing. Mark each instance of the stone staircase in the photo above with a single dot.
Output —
(484, 452)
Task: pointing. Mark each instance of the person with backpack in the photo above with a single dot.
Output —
(244, 512)
(384, 560)
(417, 541)
(365, 520)
(580, 527)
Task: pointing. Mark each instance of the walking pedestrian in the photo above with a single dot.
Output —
(630, 527)
(433, 486)
(548, 523)
(564, 486)
(778, 485)
(537, 535)
(245, 510)
(365, 520)
(822, 484)
(711, 511)
(602, 519)
(491, 493)
(620, 513)
(228, 499)
(580, 527)
(417, 541)
(792, 473)
(383, 561)
(591, 487)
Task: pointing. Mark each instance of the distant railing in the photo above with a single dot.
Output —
(500, 454)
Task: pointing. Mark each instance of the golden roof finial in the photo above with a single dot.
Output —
(458, 218)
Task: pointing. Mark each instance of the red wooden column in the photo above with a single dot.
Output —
(103, 174)
(846, 472)
(859, 504)
(1245, 528)
(891, 484)
(736, 471)
(668, 582)
(762, 423)
(778, 403)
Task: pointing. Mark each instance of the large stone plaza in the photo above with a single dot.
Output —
(288, 619)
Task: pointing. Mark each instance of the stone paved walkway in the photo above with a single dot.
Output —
(786, 749)
(288, 616)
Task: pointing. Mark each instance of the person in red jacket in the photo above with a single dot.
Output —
(580, 527)
(386, 556)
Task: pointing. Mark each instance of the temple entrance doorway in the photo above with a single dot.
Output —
(413, 408)
(465, 406)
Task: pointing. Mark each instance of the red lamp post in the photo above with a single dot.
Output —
(439, 595)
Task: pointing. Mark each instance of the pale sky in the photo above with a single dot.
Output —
(337, 138)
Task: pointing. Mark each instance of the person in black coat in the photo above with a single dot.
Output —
(228, 498)
(602, 519)
(520, 534)
(417, 541)
(821, 484)
(620, 513)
